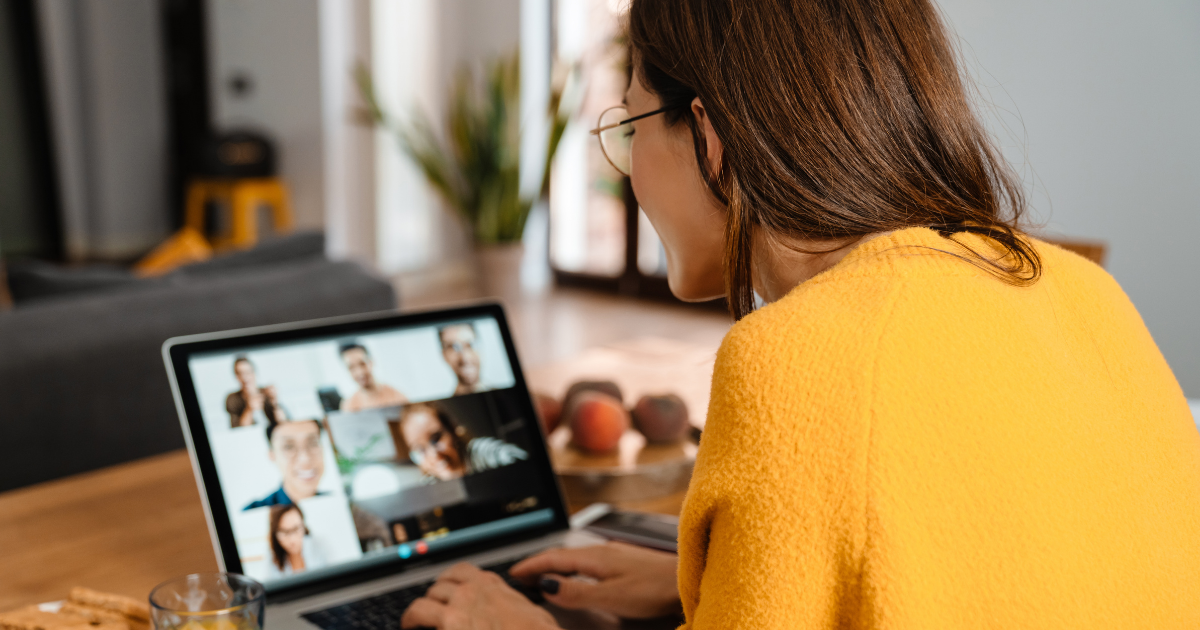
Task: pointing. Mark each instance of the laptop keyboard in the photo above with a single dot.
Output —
(382, 612)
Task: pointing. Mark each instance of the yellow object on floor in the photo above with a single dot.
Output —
(185, 247)
(907, 442)
(241, 200)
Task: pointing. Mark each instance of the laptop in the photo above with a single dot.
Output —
(346, 462)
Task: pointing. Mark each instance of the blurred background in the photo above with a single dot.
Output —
(114, 113)
(170, 167)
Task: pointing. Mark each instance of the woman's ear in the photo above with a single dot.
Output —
(712, 144)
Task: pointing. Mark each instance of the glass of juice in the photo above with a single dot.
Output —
(208, 601)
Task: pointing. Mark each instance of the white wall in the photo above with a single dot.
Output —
(344, 177)
(349, 162)
(418, 46)
(300, 56)
(277, 44)
(1107, 93)
(404, 39)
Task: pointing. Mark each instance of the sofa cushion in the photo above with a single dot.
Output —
(36, 281)
(289, 249)
(32, 280)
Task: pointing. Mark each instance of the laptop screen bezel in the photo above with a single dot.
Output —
(178, 351)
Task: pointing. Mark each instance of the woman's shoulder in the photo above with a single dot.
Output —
(818, 322)
(905, 292)
(813, 350)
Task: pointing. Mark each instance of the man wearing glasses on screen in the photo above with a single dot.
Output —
(458, 349)
(296, 450)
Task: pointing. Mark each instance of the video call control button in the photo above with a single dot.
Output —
(405, 551)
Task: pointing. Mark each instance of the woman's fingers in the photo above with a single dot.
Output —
(423, 613)
(441, 591)
(574, 594)
(585, 560)
(459, 573)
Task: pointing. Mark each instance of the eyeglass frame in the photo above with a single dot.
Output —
(436, 444)
(599, 130)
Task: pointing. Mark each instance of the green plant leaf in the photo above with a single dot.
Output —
(476, 168)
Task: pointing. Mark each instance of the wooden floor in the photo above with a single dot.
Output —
(127, 528)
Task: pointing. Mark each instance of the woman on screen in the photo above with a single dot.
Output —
(292, 549)
(443, 450)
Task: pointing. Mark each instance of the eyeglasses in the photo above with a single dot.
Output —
(436, 443)
(311, 448)
(299, 529)
(616, 134)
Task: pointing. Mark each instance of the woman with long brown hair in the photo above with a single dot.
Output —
(935, 420)
(292, 549)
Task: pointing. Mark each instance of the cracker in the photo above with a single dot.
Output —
(127, 606)
(93, 614)
(33, 618)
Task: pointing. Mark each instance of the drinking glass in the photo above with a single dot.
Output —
(208, 601)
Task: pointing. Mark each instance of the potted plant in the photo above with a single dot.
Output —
(476, 167)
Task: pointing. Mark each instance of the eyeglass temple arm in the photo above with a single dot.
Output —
(599, 130)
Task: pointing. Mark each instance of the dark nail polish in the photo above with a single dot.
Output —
(549, 585)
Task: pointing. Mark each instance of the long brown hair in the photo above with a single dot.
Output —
(278, 553)
(839, 119)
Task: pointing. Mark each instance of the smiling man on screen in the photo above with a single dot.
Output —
(296, 450)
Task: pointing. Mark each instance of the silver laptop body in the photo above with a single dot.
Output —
(379, 514)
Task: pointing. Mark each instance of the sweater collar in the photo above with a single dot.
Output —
(913, 249)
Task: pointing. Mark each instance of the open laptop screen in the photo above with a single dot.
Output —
(341, 447)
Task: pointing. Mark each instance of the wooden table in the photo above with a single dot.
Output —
(123, 529)
(127, 528)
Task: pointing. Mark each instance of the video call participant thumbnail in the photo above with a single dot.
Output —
(442, 450)
(292, 548)
(252, 404)
(371, 394)
(458, 349)
(295, 448)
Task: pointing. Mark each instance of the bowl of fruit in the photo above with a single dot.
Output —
(605, 450)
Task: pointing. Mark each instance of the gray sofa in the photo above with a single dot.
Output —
(82, 382)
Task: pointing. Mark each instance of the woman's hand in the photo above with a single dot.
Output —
(465, 598)
(625, 580)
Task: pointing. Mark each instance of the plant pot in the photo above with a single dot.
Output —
(499, 270)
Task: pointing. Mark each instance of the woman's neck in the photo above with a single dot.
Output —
(780, 264)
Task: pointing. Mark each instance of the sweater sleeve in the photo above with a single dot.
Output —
(772, 532)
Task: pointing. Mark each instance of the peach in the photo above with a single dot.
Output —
(597, 421)
(608, 387)
(662, 419)
(549, 411)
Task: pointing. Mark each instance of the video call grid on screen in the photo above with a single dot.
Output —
(408, 359)
(370, 498)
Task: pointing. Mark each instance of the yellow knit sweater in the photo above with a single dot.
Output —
(905, 441)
